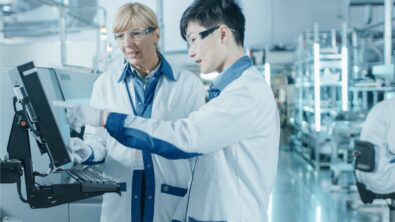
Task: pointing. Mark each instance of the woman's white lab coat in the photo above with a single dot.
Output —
(173, 100)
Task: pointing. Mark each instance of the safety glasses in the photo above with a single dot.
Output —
(136, 34)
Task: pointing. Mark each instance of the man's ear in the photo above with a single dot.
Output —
(224, 32)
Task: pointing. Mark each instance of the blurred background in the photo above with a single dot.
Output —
(327, 62)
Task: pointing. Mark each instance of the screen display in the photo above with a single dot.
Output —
(53, 92)
(49, 124)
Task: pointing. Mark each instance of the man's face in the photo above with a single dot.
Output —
(138, 44)
(204, 51)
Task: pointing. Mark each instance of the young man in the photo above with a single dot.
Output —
(147, 86)
(235, 135)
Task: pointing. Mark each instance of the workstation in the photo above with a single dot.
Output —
(118, 110)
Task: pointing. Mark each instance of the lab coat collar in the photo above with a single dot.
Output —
(232, 73)
(164, 68)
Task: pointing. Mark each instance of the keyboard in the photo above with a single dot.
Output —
(93, 181)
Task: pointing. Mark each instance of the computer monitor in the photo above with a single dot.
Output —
(36, 88)
(72, 78)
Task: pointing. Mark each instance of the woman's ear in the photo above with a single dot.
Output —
(156, 35)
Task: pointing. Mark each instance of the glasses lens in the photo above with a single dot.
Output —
(135, 34)
(118, 36)
(192, 40)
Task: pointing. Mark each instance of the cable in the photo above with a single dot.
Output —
(18, 185)
(36, 173)
(190, 189)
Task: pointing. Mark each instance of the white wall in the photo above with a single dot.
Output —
(273, 21)
(267, 21)
(172, 15)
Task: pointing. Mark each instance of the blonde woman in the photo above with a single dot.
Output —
(147, 86)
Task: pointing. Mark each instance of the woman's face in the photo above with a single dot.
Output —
(138, 44)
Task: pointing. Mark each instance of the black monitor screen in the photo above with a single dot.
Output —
(42, 87)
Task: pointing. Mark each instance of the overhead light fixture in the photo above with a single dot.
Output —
(267, 73)
(103, 29)
(317, 87)
(6, 8)
(344, 64)
(109, 48)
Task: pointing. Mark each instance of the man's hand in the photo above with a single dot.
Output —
(79, 151)
(79, 115)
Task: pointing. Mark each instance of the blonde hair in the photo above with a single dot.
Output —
(130, 13)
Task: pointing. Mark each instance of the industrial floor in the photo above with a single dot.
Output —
(303, 195)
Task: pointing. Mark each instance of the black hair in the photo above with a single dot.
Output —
(209, 13)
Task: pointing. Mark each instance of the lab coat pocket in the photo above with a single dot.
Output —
(190, 219)
(170, 198)
(176, 191)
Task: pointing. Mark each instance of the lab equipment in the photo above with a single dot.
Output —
(321, 92)
(11, 171)
(33, 114)
(29, 91)
(345, 128)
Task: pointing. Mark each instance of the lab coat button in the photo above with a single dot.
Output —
(149, 197)
(165, 188)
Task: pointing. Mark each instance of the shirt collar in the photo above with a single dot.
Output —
(163, 67)
(154, 72)
(232, 73)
